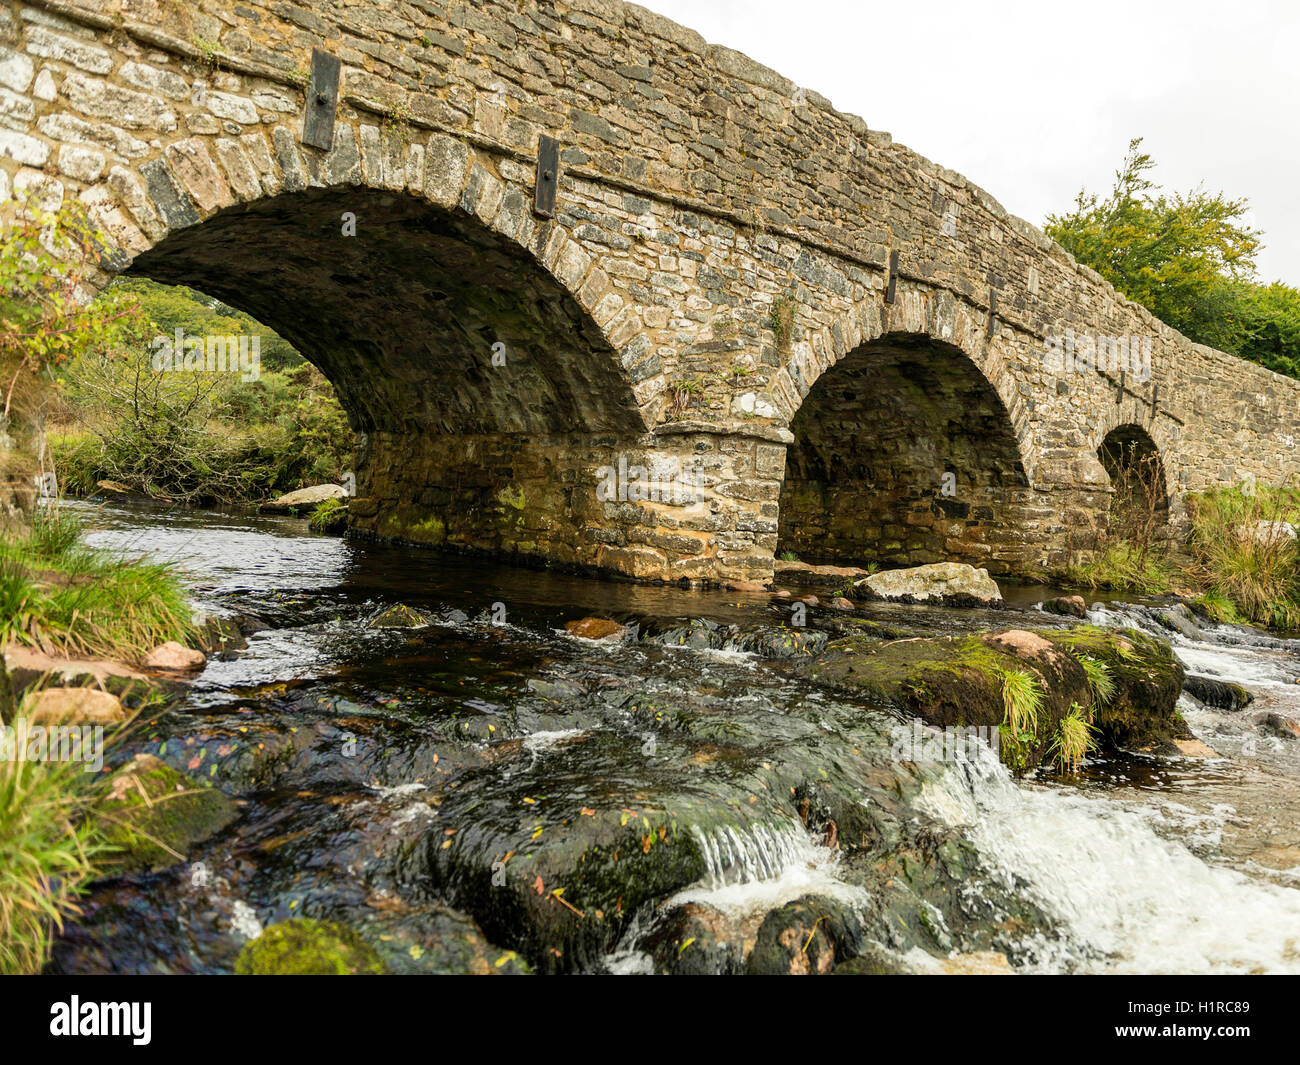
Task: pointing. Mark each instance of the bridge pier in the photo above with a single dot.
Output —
(688, 503)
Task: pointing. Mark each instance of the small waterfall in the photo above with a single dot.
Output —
(744, 856)
(1127, 899)
(750, 868)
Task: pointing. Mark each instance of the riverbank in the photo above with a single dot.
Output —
(89, 647)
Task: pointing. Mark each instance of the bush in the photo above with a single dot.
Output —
(197, 438)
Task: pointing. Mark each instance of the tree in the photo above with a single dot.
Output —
(1270, 324)
(1187, 258)
(47, 259)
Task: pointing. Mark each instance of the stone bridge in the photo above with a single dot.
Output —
(746, 324)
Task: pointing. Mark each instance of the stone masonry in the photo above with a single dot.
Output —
(835, 344)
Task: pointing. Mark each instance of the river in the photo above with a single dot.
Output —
(383, 776)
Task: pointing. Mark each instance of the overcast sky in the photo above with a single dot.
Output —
(1034, 100)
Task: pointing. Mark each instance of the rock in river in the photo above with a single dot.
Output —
(303, 499)
(951, 582)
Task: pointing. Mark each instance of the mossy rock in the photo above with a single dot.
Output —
(1148, 680)
(804, 938)
(304, 947)
(153, 813)
(959, 682)
(401, 617)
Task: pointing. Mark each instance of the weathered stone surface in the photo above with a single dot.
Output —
(940, 580)
(174, 657)
(1070, 606)
(304, 498)
(72, 706)
(153, 815)
(595, 628)
(711, 288)
(1267, 532)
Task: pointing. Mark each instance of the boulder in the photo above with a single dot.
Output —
(401, 617)
(173, 657)
(595, 628)
(1220, 694)
(303, 499)
(940, 581)
(1069, 606)
(1280, 726)
(1178, 618)
(1267, 532)
(72, 706)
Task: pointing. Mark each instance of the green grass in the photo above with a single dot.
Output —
(46, 855)
(1121, 567)
(60, 596)
(1073, 739)
(1022, 698)
(328, 515)
(1101, 684)
(1258, 577)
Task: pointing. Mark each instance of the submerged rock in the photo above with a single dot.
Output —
(954, 583)
(1280, 726)
(303, 947)
(595, 628)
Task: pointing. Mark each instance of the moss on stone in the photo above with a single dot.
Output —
(512, 497)
(304, 947)
(959, 682)
(153, 813)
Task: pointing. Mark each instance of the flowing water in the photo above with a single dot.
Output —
(383, 773)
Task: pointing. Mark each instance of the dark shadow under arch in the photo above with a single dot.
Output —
(404, 316)
(1139, 508)
(904, 454)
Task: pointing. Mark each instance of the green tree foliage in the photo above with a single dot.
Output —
(1189, 259)
(172, 307)
(198, 438)
(1270, 326)
(45, 319)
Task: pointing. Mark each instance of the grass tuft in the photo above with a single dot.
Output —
(1022, 698)
(60, 596)
(46, 852)
(1073, 740)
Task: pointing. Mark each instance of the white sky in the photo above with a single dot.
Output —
(1034, 100)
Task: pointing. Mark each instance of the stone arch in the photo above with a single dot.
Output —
(1139, 481)
(446, 269)
(918, 311)
(404, 317)
(905, 453)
